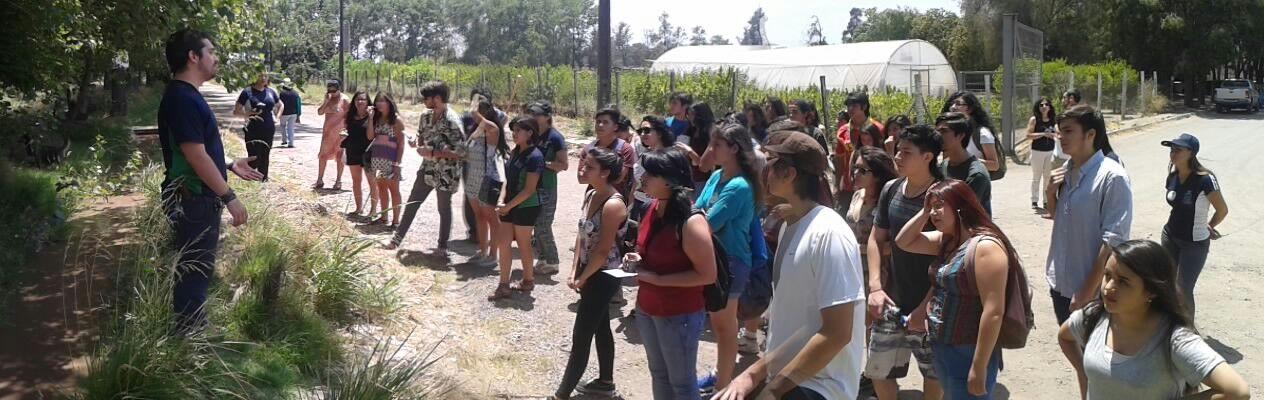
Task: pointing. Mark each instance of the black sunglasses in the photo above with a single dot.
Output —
(644, 131)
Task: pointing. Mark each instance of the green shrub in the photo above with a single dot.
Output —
(384, 374)
(33, 213)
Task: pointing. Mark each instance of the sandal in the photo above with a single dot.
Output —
(319, 185)
(337, 185)
(525, 286)
(502, 292)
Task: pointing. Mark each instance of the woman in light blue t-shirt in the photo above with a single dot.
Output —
(1137, 339)
(729, 198)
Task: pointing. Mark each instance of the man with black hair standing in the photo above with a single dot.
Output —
(293, 113)
(553, 145)
(441, 144)
(955, 129)
(195, 185)
(858, 123)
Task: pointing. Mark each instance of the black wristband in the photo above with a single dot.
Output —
(228, 197)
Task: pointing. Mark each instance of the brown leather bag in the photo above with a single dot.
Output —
(1018, 319)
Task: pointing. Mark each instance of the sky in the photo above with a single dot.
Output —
(787, 24)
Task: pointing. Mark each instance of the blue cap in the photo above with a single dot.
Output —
(1185, 141)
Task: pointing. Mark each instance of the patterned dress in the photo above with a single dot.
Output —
(480, 161)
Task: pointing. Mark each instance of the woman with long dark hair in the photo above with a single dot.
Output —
(962, 312)
(701, 123)
(387, 131)
(775, 109)
(520, 207)
(871, 171)
(486, 147)
(1191, 190)
(1042, 130)
(891, 130)
(804, 112)
(756, 121)
(354, 148)
(1136, 339)
(655, 135)
(601, 223)
(984, 148)
(730, 197)
(676, 260)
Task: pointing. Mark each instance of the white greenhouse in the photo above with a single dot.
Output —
(905, 65)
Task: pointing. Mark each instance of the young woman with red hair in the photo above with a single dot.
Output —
(962, 312)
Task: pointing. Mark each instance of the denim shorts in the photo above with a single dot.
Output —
(741, 277)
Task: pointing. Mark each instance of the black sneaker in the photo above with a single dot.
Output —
(1034, 205)
(597, 387)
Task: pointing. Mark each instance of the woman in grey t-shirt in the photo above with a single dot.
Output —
(1137, 339)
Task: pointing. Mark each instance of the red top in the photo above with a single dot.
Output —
(664, 255)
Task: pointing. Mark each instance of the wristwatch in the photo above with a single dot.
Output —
(227, 197)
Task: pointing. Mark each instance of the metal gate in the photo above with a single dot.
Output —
(1023, 54)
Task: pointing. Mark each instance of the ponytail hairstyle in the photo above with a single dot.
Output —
(527, 123)
(608, 161)
(738, 136)
(672, 164)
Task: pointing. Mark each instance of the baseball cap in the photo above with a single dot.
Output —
(286, 82)
(540, 107)
(625, 123)
(333, 83)
(800, 149)
(1185, 141)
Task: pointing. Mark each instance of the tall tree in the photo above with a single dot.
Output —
(852, 25)
(622, 39)
(753, 34)
(816, 36)
(719, 40)
(666, 37)
(699, 36)
(888, 24)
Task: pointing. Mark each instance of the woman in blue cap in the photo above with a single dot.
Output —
(1191, 189)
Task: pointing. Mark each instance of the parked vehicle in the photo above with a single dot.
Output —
(1236, 93)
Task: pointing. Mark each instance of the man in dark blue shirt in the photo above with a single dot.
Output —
(292, 113)
(195, 188)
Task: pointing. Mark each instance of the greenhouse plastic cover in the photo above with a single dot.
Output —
(874, 65)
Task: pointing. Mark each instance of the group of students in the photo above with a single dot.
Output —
(708, 211)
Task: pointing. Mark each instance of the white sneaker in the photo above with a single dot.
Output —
(546, 269)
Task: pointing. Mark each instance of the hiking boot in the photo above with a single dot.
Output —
(597, 387)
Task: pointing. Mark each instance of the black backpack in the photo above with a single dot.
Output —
(715, 295)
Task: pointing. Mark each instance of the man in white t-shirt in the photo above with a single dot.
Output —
(816, 325)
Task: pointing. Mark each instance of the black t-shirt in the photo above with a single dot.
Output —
(1190, 206)
(1044, 143)
(262, 101)
(293, 102)
(910, 279)
(521, 163)
(357, 138)
(974, 174)
(184, 117)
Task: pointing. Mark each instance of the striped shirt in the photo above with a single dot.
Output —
(952, 317)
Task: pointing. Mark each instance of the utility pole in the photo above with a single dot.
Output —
(603, 53)
(342, 44)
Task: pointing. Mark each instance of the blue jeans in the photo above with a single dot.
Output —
(287, 128)
(195, 233)
(1190, 257)
(952, 365)
(671, 348)
(542, 242)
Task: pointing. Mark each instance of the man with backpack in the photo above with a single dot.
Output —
(954, 131)
(891, 301)
(815, 349)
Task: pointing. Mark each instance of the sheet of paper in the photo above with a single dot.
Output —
(618, 273)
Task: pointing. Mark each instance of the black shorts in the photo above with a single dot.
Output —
(520, 216)
(354, 154)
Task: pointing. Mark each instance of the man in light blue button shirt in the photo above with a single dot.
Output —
(1093, 211)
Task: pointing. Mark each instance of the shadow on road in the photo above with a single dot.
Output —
(1231, 115)
(1230, 354)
